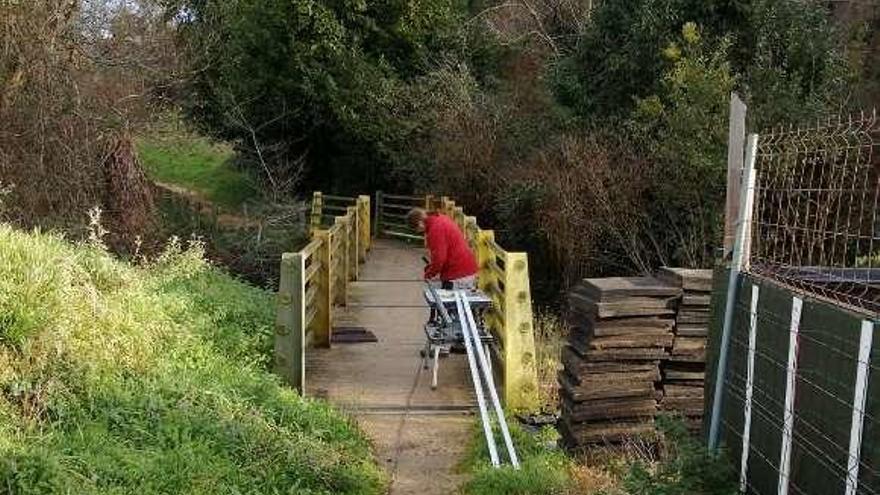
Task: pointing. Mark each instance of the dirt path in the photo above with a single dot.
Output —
(420, 435)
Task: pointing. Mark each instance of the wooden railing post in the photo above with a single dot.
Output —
(317, 210)
(323, 324)
(471, 232)
(353, 242)
(365, 237)
(377, 218)
(290, 322)
(341, 254)
(458, 216)
(520, 372)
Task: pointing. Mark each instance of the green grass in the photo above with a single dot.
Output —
(543, 471)
(122, 379)
(199, 165)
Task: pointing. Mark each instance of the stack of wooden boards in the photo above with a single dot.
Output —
(637, 346)
(621, 330)
(685, 370)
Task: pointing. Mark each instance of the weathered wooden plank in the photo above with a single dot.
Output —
(696, 299)
(648, 354)
(576, 434)
(689, 406)
(630, 341)
(609, 409)
(576, 365)
(682, 391)
(585, 322)
(689, 279)
(694, 320)
(579, 393)
(673, 375)
(688, 330)
(612, 288)
(633, 306)
(601, 379)
(688, 345)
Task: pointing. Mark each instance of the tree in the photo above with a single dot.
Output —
(307, 81)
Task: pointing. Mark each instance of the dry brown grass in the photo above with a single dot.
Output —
(74, 76)
(550, 336)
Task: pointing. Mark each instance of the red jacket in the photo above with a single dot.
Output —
(451, 257)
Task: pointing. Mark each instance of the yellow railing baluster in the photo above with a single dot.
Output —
(290, 322)
(323, 323)
(317, 210)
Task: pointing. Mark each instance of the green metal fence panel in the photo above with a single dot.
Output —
(824, 368)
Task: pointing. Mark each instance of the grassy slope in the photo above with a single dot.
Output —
(152, 379)
(198, 165)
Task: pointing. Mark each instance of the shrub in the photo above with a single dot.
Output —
(153, 379)
(687, 468)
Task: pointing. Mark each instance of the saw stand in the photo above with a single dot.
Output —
(443, 330)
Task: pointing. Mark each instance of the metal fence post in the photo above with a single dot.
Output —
(290, 322)
(740, 257)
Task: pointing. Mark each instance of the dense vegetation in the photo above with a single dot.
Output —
(596, 138)
(675, 464)
(152, 379)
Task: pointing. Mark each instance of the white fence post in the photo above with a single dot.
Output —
(797, 305)
(863, 368)
(750, 389)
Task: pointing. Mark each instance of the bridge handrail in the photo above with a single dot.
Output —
(504, 277)
(390, 215)
(315, 278)
(324, 213)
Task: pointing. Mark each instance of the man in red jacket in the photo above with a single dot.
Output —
(451, 257)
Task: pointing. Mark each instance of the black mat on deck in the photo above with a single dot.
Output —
(352, 335)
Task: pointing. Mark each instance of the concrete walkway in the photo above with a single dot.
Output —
(420, 435)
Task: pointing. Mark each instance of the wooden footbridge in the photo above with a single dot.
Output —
(362, 271)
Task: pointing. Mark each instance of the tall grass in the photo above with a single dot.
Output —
(551, 333)
(544, 470)
(152, 379)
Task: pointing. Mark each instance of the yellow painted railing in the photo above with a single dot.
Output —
(504, 276)
(327, 208)
(390, 215)
(315, 279)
